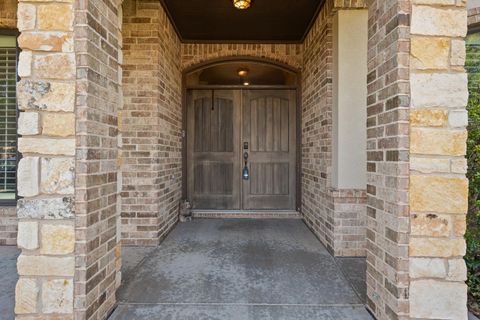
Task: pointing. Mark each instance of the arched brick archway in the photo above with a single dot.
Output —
(285, 54)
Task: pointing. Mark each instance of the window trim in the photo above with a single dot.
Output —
(13, 202)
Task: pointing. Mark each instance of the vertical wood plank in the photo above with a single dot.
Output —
(253, 125)
(285, 120)
(261, 132)
(277, 126)
(269, 123)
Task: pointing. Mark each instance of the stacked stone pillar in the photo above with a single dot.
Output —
(438, 187)
(46, 125)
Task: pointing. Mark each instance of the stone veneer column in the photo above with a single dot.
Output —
(46, 98)
(438, 187)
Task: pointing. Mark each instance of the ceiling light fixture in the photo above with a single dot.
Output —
(246, 83)
(242, 4)
(243, 72)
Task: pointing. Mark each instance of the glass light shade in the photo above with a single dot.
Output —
(241, 4)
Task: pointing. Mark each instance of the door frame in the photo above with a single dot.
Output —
(297, 88)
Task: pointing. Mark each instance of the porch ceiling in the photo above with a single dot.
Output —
(264, 21)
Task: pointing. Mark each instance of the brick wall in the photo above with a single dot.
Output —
(290, 54)
(150, 125)
(387, 158)
(98, 44)
(8, 226)
(474, 17)
(337, 217)
(8, 215)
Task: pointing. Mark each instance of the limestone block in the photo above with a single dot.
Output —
(458, 53)
(58, 175)
(63, 14)
(430, 53)
(447, 90)
(46, 41)
(458, 118)
(45, 266)
(429, 165)
(55, 65)
(459, 165)
(430, 299)
(437, 247)
(437, 21)
(457, 270)
(28, 123)
(26, 16)
(430, 224)
(47, 146)
(57, 296)
(58, 124)
(438, 142)
(57, 239)
(460, 225)
(46, 95)
(28, 175)
(25, 64)
(428, 117)
(435, 2)
(51, 208)
(427, 268)
(438, 194)
(26, 296)
(27, 236)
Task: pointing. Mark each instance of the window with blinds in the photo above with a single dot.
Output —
(8, 117)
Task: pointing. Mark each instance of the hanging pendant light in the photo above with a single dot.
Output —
(242, 4)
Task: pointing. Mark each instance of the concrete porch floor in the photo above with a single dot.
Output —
(240, 269)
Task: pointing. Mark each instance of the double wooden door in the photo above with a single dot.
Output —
(241, 149)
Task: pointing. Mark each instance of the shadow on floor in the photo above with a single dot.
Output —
(239, 270)
(8, 279)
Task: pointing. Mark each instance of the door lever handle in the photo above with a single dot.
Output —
(245, 172)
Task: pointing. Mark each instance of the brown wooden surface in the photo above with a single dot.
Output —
(269, 127)
(213, 133)
(266, 120)
(266, 21)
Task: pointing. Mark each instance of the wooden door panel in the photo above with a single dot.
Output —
(269, 122)
(213, 135)
(269, 127)
(269, 178)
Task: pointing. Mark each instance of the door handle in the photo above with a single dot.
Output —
(245, 172)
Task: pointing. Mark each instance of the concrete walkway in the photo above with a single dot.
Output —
(8, 280)
(239, 270)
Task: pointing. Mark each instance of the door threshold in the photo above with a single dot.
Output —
(245, 214)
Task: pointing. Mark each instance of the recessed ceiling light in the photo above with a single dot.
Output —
(242, 4)
(246, 83)
(243, 73)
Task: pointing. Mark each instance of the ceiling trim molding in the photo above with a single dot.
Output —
(193, 41)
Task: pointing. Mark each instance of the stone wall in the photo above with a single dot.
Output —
(195, 53)
(46, 98)
(387, 159)
(8, 215)
(337, 217)
(98, 43)
(438, 187)
(8, 14)
(150, 124)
